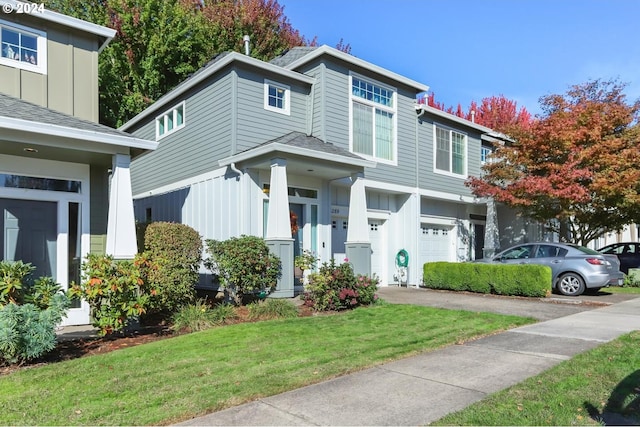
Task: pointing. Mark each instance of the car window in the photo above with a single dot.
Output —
(613, 249)
(519, 252)
(550, 251)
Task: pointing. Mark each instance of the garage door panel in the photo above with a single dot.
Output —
(434, 243)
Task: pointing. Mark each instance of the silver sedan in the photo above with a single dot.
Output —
(574, 268)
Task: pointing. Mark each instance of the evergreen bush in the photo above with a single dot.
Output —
(29, 313)
(244, 265)
(176, 252)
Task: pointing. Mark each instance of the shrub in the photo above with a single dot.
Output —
(29, 314)
(244, 265)
(518, 280)
(272, 309)
(116, 290)
(176, 251)
(336, 287)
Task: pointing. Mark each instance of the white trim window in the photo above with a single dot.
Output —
(485, 152)
(277, 97)
(170, 121)
(373, 119)
(23, 47)
(450, 151)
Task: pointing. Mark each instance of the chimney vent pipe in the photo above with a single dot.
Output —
(246, 40)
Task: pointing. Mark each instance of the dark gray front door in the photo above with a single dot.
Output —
(29, 234)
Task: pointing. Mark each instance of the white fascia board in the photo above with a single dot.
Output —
(47, 129)
(324, 49)
(283, 148)
(398, 188)
(161, 104)
(69, 21)
(424, 108)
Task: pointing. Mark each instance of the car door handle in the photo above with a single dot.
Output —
(556, 261)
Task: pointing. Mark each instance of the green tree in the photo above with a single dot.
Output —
(574, 169)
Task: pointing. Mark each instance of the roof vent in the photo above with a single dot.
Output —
(246, 40)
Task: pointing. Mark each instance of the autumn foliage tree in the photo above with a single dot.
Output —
(574, 169)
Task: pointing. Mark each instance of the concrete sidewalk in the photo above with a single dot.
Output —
(421, 389)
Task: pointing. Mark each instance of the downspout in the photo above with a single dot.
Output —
(233, 167)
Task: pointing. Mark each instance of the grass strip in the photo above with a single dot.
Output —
(593, 388)
(189, 375)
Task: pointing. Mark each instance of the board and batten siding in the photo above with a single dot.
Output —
(255, 125)
(210, 205)
(193, 150)
(70, 85)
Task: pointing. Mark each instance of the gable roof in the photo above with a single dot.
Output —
(305, 154)
(20, 115)
(298, 56)
(211, 68)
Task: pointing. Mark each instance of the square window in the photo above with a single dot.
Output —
(277, 97)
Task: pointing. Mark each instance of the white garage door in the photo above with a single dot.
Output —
(434, 243)
(379, 254)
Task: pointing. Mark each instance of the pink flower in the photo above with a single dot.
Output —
(346, 260)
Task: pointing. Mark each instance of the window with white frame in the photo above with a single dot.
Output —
(277, 97)
(373, 118)
(23, 47)
(170, 121)
(484, 154)
(450, 151)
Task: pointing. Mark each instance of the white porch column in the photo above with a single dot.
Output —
(278, 234)
(358, 244)
(121, 228)
(278, 223)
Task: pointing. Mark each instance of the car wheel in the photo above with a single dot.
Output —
(570, 284)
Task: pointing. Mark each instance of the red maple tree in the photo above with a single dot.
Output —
(575, 168)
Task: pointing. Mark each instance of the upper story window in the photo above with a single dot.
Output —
(170, 121)
(277, 97)
(22, 47)
(373, 119)
(450, 151)
(484, 154)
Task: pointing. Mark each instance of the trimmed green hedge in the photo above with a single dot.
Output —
(529, 280)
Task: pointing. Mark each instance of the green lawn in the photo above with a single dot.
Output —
(178, 378)
(575, 392)
(623, 290)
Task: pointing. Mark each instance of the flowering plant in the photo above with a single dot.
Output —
(337, 287)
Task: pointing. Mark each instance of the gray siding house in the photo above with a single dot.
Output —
(318, 136)
(65, 187)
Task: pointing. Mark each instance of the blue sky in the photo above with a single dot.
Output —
(467, 50)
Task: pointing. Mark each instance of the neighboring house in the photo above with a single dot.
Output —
(65, 186)
(326, 138)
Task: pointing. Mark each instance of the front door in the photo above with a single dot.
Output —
(29, 234)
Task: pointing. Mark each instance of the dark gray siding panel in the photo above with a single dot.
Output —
(194, 149)
(257, 125)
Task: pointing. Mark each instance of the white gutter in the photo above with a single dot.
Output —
(283, 148)
(46, 129)
(324, 49)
